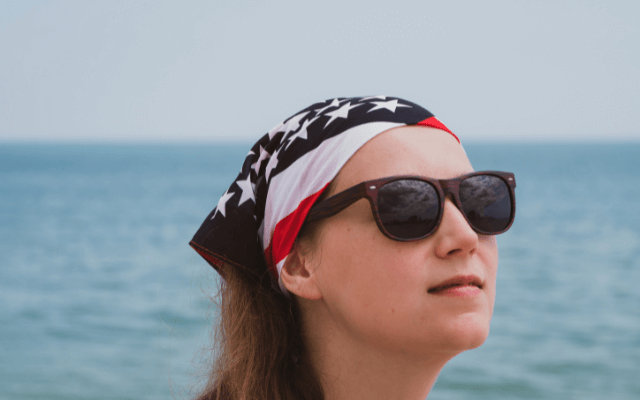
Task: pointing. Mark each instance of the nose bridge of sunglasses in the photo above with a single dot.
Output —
(450, 189)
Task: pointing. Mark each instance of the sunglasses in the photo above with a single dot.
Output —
(408, 207)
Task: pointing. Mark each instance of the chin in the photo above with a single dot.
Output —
(465, 334)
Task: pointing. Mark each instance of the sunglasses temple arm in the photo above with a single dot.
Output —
(337, 203)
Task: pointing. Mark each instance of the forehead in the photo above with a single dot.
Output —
(408, 150)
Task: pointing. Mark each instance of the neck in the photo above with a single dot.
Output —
(352, 370)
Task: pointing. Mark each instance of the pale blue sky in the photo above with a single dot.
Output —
(230, 70)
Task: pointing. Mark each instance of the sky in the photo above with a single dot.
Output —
(211, 71)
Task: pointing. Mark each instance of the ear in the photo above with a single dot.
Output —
(298, 275)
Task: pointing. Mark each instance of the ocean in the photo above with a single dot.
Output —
(102, 298)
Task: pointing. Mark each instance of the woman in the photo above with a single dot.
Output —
(339, 284)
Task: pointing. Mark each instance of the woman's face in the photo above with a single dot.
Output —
(376, 290)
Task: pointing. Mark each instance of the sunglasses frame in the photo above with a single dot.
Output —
(444, 187)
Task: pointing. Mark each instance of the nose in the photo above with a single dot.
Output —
(454, 237)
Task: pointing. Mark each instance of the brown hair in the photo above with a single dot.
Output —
(260, 350)
(258, 339)
(261, 353)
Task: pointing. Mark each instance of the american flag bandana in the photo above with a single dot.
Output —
(257, 219)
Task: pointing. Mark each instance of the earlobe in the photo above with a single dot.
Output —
(298, 277)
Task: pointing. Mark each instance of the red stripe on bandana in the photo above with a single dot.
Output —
(434, 123)
(286, 231)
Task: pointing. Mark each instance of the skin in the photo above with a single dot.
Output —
(372, 329)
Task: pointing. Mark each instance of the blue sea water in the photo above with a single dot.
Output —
(101, 297)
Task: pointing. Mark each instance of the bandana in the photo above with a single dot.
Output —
(257, 220)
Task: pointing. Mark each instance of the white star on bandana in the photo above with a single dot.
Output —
(247, 190)
(302, 133)
(222, 203)
(263, 156)
(273, 161)
(342, 112)
(334, 103)
(389, 105)
(293, 123)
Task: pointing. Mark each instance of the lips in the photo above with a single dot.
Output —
(460, 280)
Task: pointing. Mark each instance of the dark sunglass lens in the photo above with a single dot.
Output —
(408, 208)
(486, 202)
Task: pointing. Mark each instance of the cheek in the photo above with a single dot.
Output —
(489, 247)
(358, 257)
(352, 263)
(488, 254)
(370, 284)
